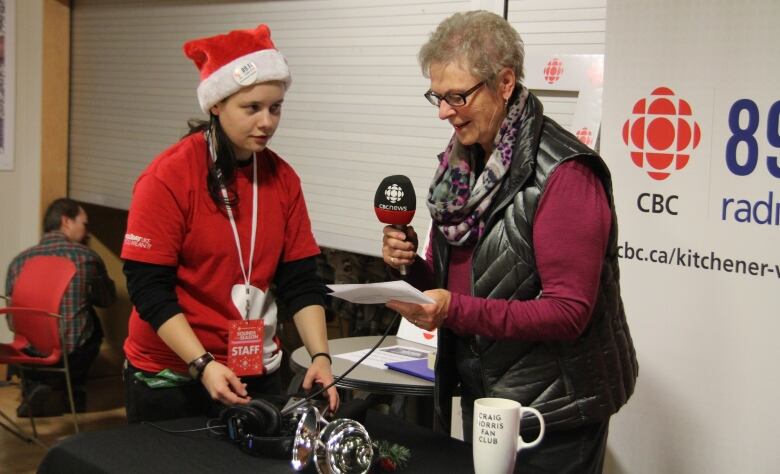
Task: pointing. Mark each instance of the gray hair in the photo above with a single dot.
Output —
(481, 41)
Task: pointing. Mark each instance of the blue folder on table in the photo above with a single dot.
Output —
(417, 367)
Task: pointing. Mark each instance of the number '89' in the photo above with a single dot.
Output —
(747, 135)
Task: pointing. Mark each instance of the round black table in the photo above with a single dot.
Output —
(365, 377)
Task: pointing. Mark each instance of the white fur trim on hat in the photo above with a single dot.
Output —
(260, 66)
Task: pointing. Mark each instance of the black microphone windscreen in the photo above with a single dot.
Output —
(395, 201)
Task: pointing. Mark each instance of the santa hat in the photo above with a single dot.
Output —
(232, 61)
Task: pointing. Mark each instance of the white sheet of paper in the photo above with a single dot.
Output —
(376, 293)
(385, 354)
(410, 332)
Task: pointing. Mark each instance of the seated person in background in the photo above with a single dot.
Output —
(65, 235)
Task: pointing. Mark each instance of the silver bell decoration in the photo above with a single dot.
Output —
(342, 446)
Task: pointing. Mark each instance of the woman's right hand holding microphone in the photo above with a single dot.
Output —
(399, 247)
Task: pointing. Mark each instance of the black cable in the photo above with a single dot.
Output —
(338, 379)
(300, 402)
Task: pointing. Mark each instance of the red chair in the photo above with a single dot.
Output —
(38, 291)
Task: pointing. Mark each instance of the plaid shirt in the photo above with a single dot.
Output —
(90, 285)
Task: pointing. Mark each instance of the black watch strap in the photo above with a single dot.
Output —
(197, 366)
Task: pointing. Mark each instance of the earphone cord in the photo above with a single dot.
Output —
(338, 379)
(211, 428)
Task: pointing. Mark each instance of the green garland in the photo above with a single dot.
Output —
(392, 456)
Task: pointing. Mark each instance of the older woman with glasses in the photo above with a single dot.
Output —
(522, 258)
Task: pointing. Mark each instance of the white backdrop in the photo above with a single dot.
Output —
(698, 201)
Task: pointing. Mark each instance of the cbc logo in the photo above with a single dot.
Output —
(553, 71)
(661, 133)
(585, 135)
(394, 193)
(657, 203)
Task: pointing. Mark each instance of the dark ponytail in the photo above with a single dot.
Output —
(223, 170)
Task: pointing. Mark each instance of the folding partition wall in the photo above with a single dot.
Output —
(355, 112)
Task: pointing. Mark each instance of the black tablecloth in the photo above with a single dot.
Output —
(140, 448)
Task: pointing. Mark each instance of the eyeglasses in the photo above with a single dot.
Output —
(454, 99)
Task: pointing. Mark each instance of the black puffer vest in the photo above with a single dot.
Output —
(570, 383)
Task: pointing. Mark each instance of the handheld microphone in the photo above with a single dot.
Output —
(395, 203)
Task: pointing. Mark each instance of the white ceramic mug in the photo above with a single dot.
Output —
(496, 439)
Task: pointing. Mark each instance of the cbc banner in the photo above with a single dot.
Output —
(580, 75)
(691, 132)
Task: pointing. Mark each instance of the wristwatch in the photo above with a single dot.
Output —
(196, 367)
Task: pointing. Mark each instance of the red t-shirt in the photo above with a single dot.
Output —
(174, 222)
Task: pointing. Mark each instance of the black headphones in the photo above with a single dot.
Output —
(258, 428)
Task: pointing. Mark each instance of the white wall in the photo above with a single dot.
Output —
(20, 188)
(355, 108)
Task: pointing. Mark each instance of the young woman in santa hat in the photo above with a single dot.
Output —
(217, 231)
